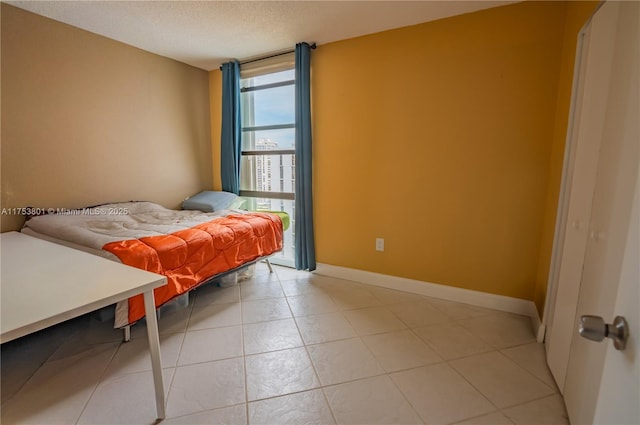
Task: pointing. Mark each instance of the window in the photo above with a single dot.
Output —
(267, 164)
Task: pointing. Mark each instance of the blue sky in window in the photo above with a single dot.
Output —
(274, 106)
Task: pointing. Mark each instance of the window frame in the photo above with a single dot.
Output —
(246, 129)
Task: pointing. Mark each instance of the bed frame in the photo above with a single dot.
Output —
(127, 329)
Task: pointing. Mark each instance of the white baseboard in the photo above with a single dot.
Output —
(449, 293)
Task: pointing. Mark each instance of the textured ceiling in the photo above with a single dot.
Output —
(206, 33)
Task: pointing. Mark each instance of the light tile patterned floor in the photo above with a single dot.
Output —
(290, 348)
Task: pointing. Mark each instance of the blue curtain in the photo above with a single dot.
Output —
(230, 135)
(304, 238)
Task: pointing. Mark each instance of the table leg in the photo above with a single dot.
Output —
(154, 350)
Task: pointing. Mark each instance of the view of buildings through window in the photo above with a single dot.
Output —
(267, 168)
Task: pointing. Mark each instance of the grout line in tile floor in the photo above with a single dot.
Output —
(306, 350)
(359, 335)
(411, 329)
(43, 361)
(175, 368)
(244, 360)
(98, 381)
(322, 386)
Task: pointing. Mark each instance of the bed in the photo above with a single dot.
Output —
(188, 247)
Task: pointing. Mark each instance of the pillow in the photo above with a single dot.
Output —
(211, 201)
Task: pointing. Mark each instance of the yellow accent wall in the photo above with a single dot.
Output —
(437, 138)
(442, 139)
(89, 120)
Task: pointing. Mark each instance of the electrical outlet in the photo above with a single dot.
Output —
(379, 244)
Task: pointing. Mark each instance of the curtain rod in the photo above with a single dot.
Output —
(275, 55)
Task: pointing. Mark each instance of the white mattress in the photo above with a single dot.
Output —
(99, 252)
(93, 228)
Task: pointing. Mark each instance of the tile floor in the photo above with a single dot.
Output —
(289, 348)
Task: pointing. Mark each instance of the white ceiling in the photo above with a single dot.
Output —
(207, 33)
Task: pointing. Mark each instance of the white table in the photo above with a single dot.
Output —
(43, 283)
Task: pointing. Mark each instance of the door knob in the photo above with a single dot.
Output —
(595, 329)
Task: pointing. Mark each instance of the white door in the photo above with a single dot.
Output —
(619, 398)
(594, 58)
(602, 384)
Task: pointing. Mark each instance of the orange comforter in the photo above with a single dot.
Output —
(191, 256)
